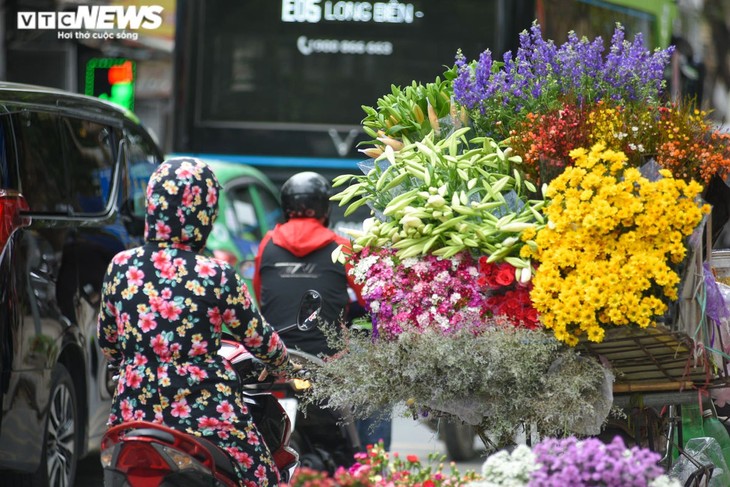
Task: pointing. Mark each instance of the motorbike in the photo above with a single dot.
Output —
(146, 454)
(324, 438)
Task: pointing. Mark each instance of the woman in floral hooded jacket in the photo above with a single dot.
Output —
(163, 307)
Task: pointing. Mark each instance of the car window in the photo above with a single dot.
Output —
(39, 148)
(270, 207)
(240, 215)
(90, 162)
(142, 159)
(7, 179)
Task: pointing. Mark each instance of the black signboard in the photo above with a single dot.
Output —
(289, 77)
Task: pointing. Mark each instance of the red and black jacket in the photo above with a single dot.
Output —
(294, 257)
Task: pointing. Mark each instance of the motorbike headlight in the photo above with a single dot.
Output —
(300, 384)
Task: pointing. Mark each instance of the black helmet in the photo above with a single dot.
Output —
(306, 195)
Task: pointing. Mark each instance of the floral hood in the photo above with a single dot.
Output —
(182, 203)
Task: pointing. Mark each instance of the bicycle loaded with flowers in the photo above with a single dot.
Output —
(520, 208)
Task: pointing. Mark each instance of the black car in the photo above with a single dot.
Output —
(71, 169)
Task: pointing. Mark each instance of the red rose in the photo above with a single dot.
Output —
(493, 302)
(484, 266)
(505, 275)
(511, 307)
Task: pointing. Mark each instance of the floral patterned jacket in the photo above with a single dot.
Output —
(162, 312)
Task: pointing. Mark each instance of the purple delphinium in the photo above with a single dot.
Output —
(470, 88)
(483, 71)
(541, 74)
(631, 72)
(464, 84)
(590, 462)
(579, 64)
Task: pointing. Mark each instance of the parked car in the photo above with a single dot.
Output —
(248, 207)
(71, 169)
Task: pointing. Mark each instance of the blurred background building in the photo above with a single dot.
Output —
(208, 57)
(39, 56)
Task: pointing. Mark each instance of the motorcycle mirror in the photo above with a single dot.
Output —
(247, 269)
(309, 309)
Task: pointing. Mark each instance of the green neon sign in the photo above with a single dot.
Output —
(111, 79)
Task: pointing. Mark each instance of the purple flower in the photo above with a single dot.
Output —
(465, 87)
(540, 73)
(590, 462)
(428, 292)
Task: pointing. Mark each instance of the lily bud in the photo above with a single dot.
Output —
(436, 201)
(509, 241)
(368, 224)
(410, 221)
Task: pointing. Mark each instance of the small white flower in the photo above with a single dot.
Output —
(360, 270)
(408, 262)
(503, 469)
(441, 321)
(664, 481)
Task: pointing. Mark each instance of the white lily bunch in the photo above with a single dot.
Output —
(443, 197)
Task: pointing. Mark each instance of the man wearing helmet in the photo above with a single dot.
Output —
(296, 256)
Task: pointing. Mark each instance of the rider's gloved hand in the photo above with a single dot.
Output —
(291, 368)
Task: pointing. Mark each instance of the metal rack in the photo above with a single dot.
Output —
(658, 369)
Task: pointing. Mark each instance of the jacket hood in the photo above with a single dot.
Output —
(182, 203)
(302, 236)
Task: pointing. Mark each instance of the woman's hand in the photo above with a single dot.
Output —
(263, 375)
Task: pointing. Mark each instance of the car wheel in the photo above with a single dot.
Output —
(459, 440)
(61, 438)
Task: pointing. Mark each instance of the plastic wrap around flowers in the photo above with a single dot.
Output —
(445, 294)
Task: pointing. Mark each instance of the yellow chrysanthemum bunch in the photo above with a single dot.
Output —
(609, 253)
